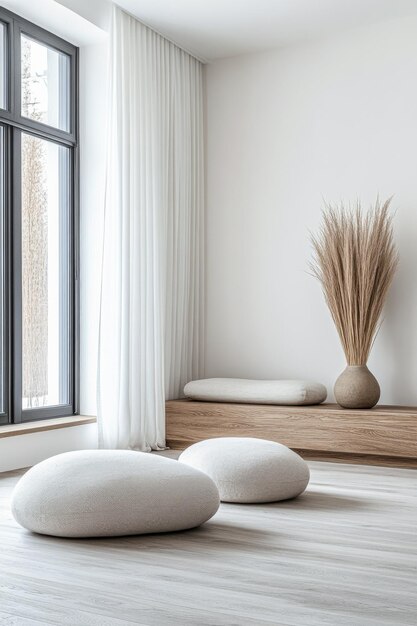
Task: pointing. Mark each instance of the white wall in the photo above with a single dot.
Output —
(94, 56)
(94, 11)
(334, 119)
(93, 130)
(26, 450)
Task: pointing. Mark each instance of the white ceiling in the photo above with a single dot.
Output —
(212, 29)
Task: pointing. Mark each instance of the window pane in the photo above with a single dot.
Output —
(45, 273)
(45, 84)
(2, 281)
(3, 83)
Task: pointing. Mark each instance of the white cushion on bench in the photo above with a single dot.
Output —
(286, 392)
(98, 493)
(249, 470)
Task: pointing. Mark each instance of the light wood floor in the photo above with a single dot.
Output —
(344, 553)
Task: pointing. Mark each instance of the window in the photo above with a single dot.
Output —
(38, 223)
(3, 52)
(45, 85)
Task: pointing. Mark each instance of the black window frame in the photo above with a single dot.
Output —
(14, 125)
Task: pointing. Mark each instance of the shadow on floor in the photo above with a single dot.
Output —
(245, 532)
(323, 501)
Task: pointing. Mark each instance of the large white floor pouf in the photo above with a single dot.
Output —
(249, 470)
(285, 392)
(98, 493)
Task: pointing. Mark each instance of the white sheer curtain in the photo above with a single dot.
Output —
(151, 320)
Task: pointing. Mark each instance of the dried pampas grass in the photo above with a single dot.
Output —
(355, 260)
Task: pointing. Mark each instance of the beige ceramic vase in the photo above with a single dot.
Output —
(357, 388)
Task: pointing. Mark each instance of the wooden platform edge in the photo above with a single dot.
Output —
(385, 435)
(331, 457)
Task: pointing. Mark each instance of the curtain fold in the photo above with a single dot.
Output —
(152, 296)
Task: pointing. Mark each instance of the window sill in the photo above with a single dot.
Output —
(11, 430)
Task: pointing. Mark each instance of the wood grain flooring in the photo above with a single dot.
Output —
(343, 554)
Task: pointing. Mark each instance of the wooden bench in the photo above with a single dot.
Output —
(384, 435)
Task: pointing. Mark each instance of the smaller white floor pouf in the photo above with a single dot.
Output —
(281, 392)
(103, 493)
(249, 470)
